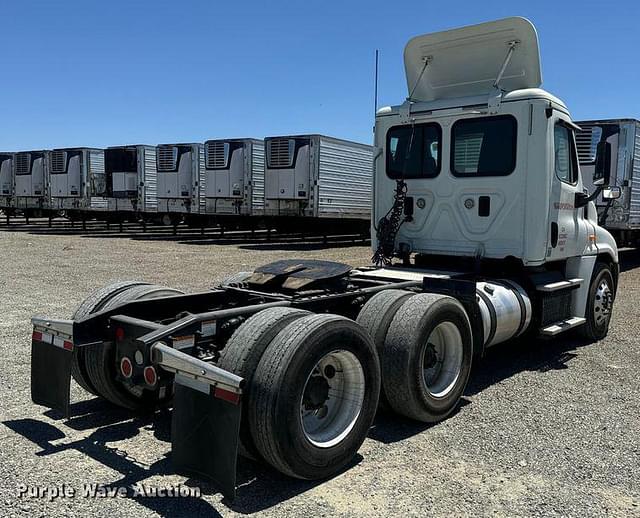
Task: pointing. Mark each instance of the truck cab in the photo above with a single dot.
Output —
(487, 161)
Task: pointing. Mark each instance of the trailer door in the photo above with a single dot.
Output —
(121, 167)
(65, 168)
(30, 174)
(74, 173)
(225, 169)
(6, 175)
(288, 169)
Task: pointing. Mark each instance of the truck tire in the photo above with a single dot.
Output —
(315, 396)
(93, 304)
(243, 352)
(426, 360)
(599, 303)
(236, 278)
(101, 365)
(376, 316)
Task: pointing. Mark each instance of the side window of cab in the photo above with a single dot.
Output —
(565, 158)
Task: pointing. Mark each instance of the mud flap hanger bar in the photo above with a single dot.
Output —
(190, 321)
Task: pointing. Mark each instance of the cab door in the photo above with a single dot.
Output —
(568, 228)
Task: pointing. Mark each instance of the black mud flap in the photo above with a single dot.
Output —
(204, 433)
(51, 358)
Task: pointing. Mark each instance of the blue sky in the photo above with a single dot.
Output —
(100, 73)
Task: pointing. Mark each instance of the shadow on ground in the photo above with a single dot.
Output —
(260, 238)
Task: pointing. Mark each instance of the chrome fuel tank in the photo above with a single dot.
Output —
(505, 308)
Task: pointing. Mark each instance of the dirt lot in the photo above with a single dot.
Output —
(546, 428)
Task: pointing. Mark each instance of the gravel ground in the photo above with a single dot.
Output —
(545, 428)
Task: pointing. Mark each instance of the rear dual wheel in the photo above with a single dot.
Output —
(313, 392)
(94, 367)
(426, 348)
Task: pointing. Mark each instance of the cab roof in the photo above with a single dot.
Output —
(477, 100)
(466, 61)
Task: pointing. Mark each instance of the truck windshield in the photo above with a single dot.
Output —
(414, 151)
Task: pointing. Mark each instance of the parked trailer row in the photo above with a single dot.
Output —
(233, 182)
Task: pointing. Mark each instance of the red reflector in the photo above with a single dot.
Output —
(126, 367)
(227, 395)
(37, 336)
(119, 334)
(68, 345)
(150, 375)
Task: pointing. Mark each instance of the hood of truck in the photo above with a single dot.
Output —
(466, 61)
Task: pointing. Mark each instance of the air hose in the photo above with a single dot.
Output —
(389, 225)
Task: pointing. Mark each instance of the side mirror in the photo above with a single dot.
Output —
(611, 193)
(602, 171)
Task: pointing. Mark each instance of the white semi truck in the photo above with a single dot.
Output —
(483, 234)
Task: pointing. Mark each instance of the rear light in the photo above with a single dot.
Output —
(126, 367)
(150, 376)
(119, 334)
(37, 336)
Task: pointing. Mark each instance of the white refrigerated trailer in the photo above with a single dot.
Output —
(132, 182)
(180, 170)
(483, 234)
(234, 192)
(31, 177)
(77, 183)
(318, 180)
(7, 184)
(621, 215)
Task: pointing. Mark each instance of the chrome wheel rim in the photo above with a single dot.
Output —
(602, 303)
(332, 398)
(442, 359)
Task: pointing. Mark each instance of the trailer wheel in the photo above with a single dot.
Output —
(315, 396)
(243, 352)
(93, 304)
(101, 365)
(376, 316)
(426, 360)
(599, 303)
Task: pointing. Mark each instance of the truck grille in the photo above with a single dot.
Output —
(23, 162)
(217, 154)
(280, 152)
(587, 142)
(58, 161)
(166, 158)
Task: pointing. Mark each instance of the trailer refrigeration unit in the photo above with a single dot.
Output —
(77, 183)
(31, 178)
(620, 216)
(234, 194)
(7, 184)
(491, 240)
(318, 181)
(132, 186)
(180, 170)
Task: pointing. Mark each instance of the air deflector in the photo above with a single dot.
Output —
(465, 62)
